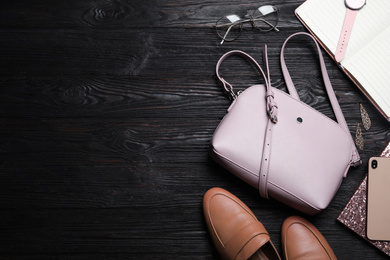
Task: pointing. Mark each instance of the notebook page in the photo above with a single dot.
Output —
(326, 18)
(370, 21)
(371, 68)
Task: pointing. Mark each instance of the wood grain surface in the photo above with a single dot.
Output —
(107, 108)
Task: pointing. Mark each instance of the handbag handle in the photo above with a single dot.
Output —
(272, 108)
(355, 158)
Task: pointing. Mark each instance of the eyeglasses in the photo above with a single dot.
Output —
(265, 18)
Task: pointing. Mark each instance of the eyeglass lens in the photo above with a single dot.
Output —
(229, 27)
(264, 18)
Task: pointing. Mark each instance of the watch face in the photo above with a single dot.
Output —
(355, 4)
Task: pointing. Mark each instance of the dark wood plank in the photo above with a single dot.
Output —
(106, 115)
(127, 14)
(64, 156)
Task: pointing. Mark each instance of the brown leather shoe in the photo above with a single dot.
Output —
(234, 229)
(301, 240)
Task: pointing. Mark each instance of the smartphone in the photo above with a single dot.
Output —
(378, 199)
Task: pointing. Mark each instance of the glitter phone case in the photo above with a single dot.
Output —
(353, 216)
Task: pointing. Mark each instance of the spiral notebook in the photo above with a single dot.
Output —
(367, 58)
(354, 214)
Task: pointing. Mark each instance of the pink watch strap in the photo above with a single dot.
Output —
(345, 34)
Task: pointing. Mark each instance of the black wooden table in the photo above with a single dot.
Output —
(107, 108)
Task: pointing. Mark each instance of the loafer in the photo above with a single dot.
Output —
(234, 229)
(301, 240)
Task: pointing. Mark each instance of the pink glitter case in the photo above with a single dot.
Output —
(354, 214)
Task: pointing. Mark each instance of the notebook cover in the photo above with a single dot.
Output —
(354, 214)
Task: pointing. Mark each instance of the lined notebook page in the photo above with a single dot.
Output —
(367, 57)
(326, 17)
(371, 68)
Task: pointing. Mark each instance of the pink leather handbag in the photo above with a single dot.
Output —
(281, 146)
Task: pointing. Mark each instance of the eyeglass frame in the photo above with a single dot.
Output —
(250, 19)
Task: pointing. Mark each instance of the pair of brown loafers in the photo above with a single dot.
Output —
(237, 234)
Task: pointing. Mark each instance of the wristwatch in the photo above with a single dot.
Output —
(353, 6)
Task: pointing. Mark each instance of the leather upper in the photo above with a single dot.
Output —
(234, 229)
(280, 145)
(301, 240)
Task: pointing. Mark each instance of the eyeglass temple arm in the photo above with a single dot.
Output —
(261, 19)
(227, 32)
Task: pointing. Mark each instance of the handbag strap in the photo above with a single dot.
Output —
(355, 158)
(272, 108)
